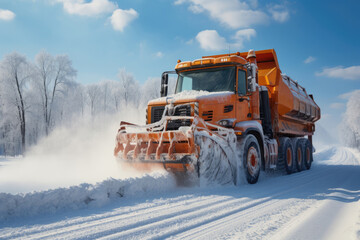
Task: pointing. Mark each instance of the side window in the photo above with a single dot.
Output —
(187, 84)
(241, 82)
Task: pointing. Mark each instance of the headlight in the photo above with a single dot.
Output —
(228, 123)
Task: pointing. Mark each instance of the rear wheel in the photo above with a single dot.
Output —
(308, 154)
(251, 159)
(299, 154)
(286, 155)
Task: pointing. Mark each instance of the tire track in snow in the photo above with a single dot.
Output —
(54, 230)
(132, 217)
(268, 205)
(63, 225)
(77, 228)
(197, 218)
(124, 223)
(115, 216)
(332, 217)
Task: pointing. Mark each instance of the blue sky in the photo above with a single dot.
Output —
(317, 42)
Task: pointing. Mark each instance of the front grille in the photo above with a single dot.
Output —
(183, 110)
(156, 113)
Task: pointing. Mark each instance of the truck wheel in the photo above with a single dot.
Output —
(308, 154)
(299, 154)
(286, 155)
(251, 159)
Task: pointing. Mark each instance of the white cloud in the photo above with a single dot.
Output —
(178, 2)
(351, 73)
(245, 34)
(309, 59)
(254, 3)
(241, 36)
(349, 94)
(232, 13)
(190, 41)
(84, 8)
(211, 40)
(159, 54)
(279, 13)
(196, 9)
(336, 105)
(121, 18)
(6, 15)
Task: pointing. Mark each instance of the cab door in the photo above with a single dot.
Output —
(243, 108)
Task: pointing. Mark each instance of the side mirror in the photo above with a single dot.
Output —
(164, 84)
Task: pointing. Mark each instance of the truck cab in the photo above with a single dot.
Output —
(218, 89)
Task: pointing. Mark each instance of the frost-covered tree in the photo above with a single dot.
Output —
(150, 90)
(70, 103)
(129, 87)
(15, 72)
(36, 97)
(105, 95)
(116, 94)
(351, 121)
(93, 92)
(51, 76)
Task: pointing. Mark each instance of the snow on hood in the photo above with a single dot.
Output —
(190, 95)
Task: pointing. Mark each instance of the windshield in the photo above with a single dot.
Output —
(211, 80)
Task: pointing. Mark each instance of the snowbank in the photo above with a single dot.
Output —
(325, 154)
(81, 196)
(331, 156)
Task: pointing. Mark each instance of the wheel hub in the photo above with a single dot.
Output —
(252, 161)
(288, 157)
(308, 155)
(299, 156)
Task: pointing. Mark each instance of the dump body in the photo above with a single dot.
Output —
(294, 112)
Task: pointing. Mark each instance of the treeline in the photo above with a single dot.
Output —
(37, 96)
(350, 126)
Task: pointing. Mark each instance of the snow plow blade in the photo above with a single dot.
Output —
(151, 146)
(178, 151)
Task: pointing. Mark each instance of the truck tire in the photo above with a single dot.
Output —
(308, 154)
(286, 155)
(251, 159)
(299, 153)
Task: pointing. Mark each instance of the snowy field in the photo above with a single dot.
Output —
(322, 203)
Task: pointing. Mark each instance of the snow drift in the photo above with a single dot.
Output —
(81, 196)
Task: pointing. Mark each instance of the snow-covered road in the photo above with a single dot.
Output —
(322, 203)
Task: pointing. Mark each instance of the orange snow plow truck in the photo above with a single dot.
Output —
(230, 114)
